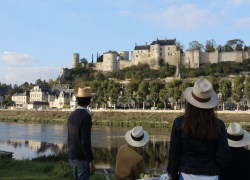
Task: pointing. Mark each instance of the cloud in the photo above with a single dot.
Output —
(243, 23)
(187, 17)
(19, 75)
(18, 59)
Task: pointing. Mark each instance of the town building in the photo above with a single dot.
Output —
(21, 99)
(39, 93)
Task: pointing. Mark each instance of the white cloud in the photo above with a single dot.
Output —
(19, 75)
(18, 59)
(243, 23)
(187, 17)
(238, 2)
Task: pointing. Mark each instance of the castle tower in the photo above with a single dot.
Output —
(75, 60)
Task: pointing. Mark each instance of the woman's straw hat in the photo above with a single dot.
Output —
(137, 137)
(84, 92)
(201, 95)
(236, 136)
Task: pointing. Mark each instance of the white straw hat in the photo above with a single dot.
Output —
(201, 95)
(84, 92)
(236, 136)
(137, 137)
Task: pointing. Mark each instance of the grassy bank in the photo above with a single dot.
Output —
(113, 118)
(42, 168)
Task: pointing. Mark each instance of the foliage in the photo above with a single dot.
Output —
(210, 45)
(195, 45)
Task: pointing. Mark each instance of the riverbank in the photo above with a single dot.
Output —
(156, 118)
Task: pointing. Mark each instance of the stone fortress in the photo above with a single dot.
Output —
(158, 52)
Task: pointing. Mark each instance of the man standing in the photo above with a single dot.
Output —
(79, 136)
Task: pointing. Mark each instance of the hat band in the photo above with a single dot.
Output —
(137, 138)
(200, 99)
(235, 138)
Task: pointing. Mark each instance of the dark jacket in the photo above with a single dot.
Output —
(79, 135)
(239, 166)
(193, 156)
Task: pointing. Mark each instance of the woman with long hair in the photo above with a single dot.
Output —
(198, 145)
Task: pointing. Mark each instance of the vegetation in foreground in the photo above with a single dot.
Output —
(41, 168)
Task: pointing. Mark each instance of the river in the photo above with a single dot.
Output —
(28, 141)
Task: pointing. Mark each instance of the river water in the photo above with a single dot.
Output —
(32, 140)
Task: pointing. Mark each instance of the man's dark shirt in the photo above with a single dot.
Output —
(79, 135)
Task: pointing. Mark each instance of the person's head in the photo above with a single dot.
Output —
(200, 119)
(137, 137)
(236, 136)
(83, 96)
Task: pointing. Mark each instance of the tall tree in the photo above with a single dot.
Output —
(247, 89)
(130, 92)
(225, 90)
(154, 88)
(174, 91)
(234, 42)
(143, 92)
(238, 90)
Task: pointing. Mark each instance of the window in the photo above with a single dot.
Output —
(148, 55)
(168, 48)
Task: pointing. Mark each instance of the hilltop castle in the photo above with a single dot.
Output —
(158, 52)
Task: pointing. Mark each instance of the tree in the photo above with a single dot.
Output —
(238, 90)
(225, 90)
(99, 76)
(234, 42)
(154, 88)
(113, 91)
(164, 96)
(247, 89)
(215, 82)
(143, 91)
(174, 91)
(210, 45)
(130, 91)
(179, 47)
(195, 45)
(238, 47)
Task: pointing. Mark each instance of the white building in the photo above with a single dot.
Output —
(21, 99)
(39, 93)
(59, 100)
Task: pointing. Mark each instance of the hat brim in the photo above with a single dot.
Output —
(134, 143)
(206, 105)
(245, 141)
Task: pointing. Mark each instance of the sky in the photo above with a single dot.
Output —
(38, 37)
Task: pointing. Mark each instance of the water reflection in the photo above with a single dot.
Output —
(33, 140)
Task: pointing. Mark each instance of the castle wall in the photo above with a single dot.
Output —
(209, 57)
(123, 55)
(170, 55)
(192, 59)
(125, 63)
(246, 55)
(141, 56)
(227, 56)
(109, 61)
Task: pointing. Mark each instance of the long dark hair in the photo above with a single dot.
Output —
(200, 123)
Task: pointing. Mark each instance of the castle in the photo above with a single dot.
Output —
(158, 52)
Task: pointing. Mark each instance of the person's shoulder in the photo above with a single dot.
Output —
(178, 121)
(220, 122)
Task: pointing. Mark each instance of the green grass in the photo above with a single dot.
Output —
(45, 168)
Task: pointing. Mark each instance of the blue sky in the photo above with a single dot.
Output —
(38, 37)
